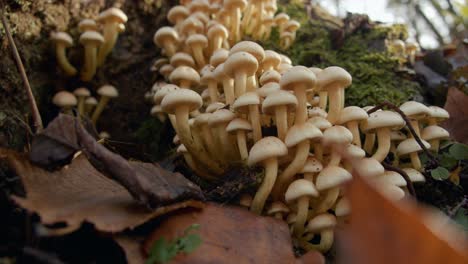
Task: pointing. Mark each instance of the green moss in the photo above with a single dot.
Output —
(363, 54)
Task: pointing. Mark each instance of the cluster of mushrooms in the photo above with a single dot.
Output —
(98, 38)
(233, 103)
(403, 51)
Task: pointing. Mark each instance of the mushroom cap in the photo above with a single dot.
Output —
(202, 119)
(221, 116)
(300, 188)
(214, 106)
(352, 113)
(242, 103)
(271, 59)
(163, 91)
(397, 136)
(166, 69)
(156, 86)
(218, 57)
(208, 75)
(64, 99)
(238, 124)
(240, 62)
(182, 149)
(266, 148)
(81, 92)
(337, 135)
(278, 98)
(414, 175)
(91, 37)
(312, 165)
(321, 222)
(382, 119)
(439, 113)
(191, 24)
(281, 18)
(410, 145)
(354, 151)
(87, 24)
(315, 70)
(199, 6)
(177, 12)
(112, 15)
(320, 122)
(156, 109)
(250, 47)
(300, 132)
(217, 30)
(180, 97)
(62, 38)
(108, 91)
(270, 76)
(277, 207)
(297, 75)
(285, 59)
(165, 34)
(392, 192)
(197, 40)
(231, 4)
(292, 25)
(332, 77)
(415, 110)
(91, 101)
(185, 73)
(391, 178)
(182, 59)
(332, 176)
(342, 207)
(283, 67)
(268, 89)
(369, 168)
(434, 132)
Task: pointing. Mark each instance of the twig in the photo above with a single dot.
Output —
(434, 161)
(451, 213)
(32, 102)
(409, 183)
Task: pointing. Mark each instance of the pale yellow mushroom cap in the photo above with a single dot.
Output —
(352, 113)
(301, 132)
(297, 75)
(277, 207)
(397, 136)
(292, 26)
(321, 222)
(191, 24)
(250, 47)
(391, 178)
(438, 113)
(62, 38)
(197, 40)
(415, 110)
(165, 34)
(414, 175)
(285, 59)
(238, 124)
(410, 145)
(268, 89)
(185, 73)
(337, 135)
(281, 18)
(221, 116)
(162, 92)
(381, 119)
(87, 25)
(177, 13)
(271, 58)
(300, 188)
(270, 76)
(218, 57)
(182, 59)
(342, 207)
(199, 6)
(266, 148)
(91, 101)
(166, 70)
(91, 37)
(112, 15)
(353, 151)
(181, 97)
(217, 30)
(332, 77)
(81, 92)
(214, 106)
(368, 168)
(312, 165)
(332, 176)
(64, 99)
(231, 4)
(240, 62)
(108, 91)
(278, 98)
(242, 103)
(434, 132)
(320, 122)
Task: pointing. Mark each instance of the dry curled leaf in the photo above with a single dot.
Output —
(381, 231)
(456, 105)
(229, 235)
(79, 193)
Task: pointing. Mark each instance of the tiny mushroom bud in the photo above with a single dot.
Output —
(65, 100)
(111, 19)
(323, 224)
(266, 151)
(81, 93)
(301, 191)
(411, 147)
(91, 40)
(62, 41)
(278, 210)
(249, 103)
(106, 92)
(167, 38)
(240, 127)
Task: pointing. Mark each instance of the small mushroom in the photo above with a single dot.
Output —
(185, 77)
(323, 224)
(312, 167)
(279, 103)
(268, 89)
(411, 147)
(106, 92)
(62, 41)
(91, 40)
(437, 115)
(240, 66)
(415, 111)
(182, 59)
(255, 50)
(111, 19)
(198, 43)
(65, 100)
(278, 210)
(87, 25)
(166, 71)
(89, 105)
(209, 79)
(177, 14)
(248, 103)
(270, 76)
(168, 39)
(271, 61)
(240, 127)
(350, 117)
(433, 134)
(300, 190)
(329, 180)
(336, 137)
(217, 34)
(81, 93)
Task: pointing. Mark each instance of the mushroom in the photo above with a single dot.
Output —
(235, 7)
(323, 224)
(157, 64)
(411, 48)
(271, 61)
(182, 59)
(157, 112)
(177, 14)
(266, 151)
(280, 21)
(91, 40)
(240, 66)
(255, 50)
(286, 39)
(433, 134)
(299, 136)
(217, 34)
(228, 83)
(240, 126)
(336, 137)
(87, 25)
(111, 19)
(211, 108)
(90, 103)
(300, 190)
(270, 76)
(62, 41)
(415, 111)
(298, 79)
(334, 80)
(167, 38)
(180, 103)
(81, 93)
(414, 175)
(322, 124)
(190, 26)
(278, 210)
(352, 152)
(437, 115)
(369, 139)
(197, 43)
(65, 100)
(312, 167)
(219, 121)
(329, 180)
(166, 71)
(270, 88)
(411, 147)
(278, 103)
(209, 79)
(389, 184)
(350, 117)
(248, 103)
(342, 210)
(185, 77)
(382, 123)
(219, 56)
(368, 167)
(106, 92)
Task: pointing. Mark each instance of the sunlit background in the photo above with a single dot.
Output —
(431, 23)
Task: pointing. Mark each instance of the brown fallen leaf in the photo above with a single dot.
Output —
(457, 106)
(380, 231)
(79, 193)
(229, 234)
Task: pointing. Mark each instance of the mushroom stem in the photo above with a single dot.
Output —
(383, 139)
(208, 138)
(281, 118)
(90, 66)
(228, 91)
(415, 125)
(240, 83)
(99, 108)
(328, 201)
(434, 144)
(415, 161)
(318, 151)
(198, 56)
(323, 97)
(110, 33)
(66, 66)
(235, 25)
(335, 104)
(172, 119)
(213, 91)
(271, 171)
(284, 179)
(369, 142)
(326, 242)
(228, 152)
(301, 110)
(301, 217)
(335, 158)
(81, 106)
(251, 84)
(309, 176)
(353, 126)
(242, 144)
(254, 116)
(193, 166)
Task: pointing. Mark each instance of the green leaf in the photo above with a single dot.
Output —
(459, 151)
(447, 161)
(192, 228)
(440, 173)
(158, 252)
(461, 217)
(423, 158)
(191, 242)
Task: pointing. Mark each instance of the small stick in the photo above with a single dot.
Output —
(32, 102)
(409, 183)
